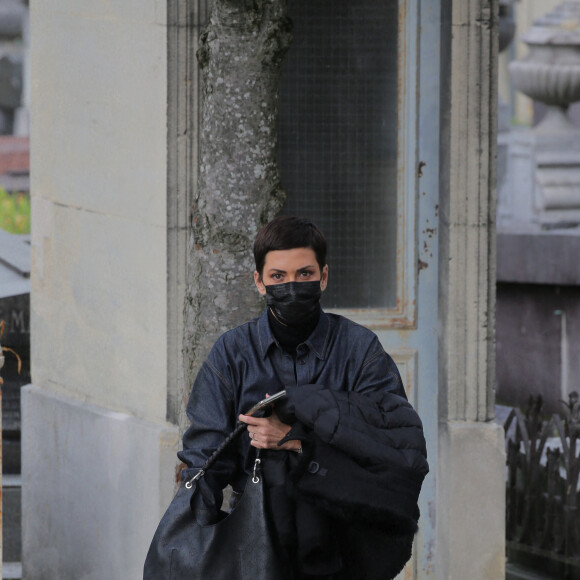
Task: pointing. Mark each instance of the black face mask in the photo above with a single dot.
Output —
(294, 303)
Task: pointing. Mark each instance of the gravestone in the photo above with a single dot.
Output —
(538, 223)
(15, 311)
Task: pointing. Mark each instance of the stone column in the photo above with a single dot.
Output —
(470, 474)
(98, 453)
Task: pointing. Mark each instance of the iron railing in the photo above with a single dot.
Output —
(542, 496)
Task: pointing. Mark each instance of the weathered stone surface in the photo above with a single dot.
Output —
(470, 537)
(114, 115)
(99, 203)
(471, 502)
(533, 357)
(550, 73)
(467, 214)
(96, 485)
(528, 254)
(97, 315)
(98, 456)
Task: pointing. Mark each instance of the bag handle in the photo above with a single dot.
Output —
(263, 404)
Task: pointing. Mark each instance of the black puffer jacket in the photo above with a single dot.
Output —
(363, 465)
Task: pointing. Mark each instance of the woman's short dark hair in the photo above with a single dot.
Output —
(287, 233)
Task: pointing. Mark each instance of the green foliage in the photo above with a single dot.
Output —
(14, 212)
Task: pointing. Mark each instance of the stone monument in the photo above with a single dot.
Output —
(550, 73)
(538, 303)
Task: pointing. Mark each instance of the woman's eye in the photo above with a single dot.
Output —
(277, 276)
(306, 274)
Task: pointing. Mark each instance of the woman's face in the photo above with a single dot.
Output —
(295, 265)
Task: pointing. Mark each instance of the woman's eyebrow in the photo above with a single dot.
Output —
(305, 268)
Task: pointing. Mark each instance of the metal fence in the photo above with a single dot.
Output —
(542, 500)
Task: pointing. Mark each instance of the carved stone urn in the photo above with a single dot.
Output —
(550, 73)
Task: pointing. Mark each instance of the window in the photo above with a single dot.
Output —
(338, 141)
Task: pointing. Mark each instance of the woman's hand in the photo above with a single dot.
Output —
(267, 431)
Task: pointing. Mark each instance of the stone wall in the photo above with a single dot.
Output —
(538, 315)
(107, 147)
(98, 163)
(98, 454)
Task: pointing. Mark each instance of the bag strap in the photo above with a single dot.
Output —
(240, 427)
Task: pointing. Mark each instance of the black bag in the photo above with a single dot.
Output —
(238, 547)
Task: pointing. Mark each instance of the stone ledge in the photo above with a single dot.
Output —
(517, 572)
(99, 480)
(11, 570)
(532, 255)
(471, 502)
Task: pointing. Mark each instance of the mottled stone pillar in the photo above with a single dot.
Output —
(470, 480)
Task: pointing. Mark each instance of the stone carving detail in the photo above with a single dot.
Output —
(550, 73)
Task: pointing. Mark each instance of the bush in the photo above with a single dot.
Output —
(14, 212)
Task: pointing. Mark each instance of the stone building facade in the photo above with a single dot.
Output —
(114, 104)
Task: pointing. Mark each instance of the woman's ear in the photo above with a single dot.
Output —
(324, 278)
(259, 284)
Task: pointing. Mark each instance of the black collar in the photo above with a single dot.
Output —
(317, 341)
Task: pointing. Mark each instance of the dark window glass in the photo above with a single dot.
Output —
(337, 141)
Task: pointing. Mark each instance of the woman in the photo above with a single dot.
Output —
(345, 410)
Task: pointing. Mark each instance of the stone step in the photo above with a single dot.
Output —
(11, 518)
(11, 571)
(518, 572)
